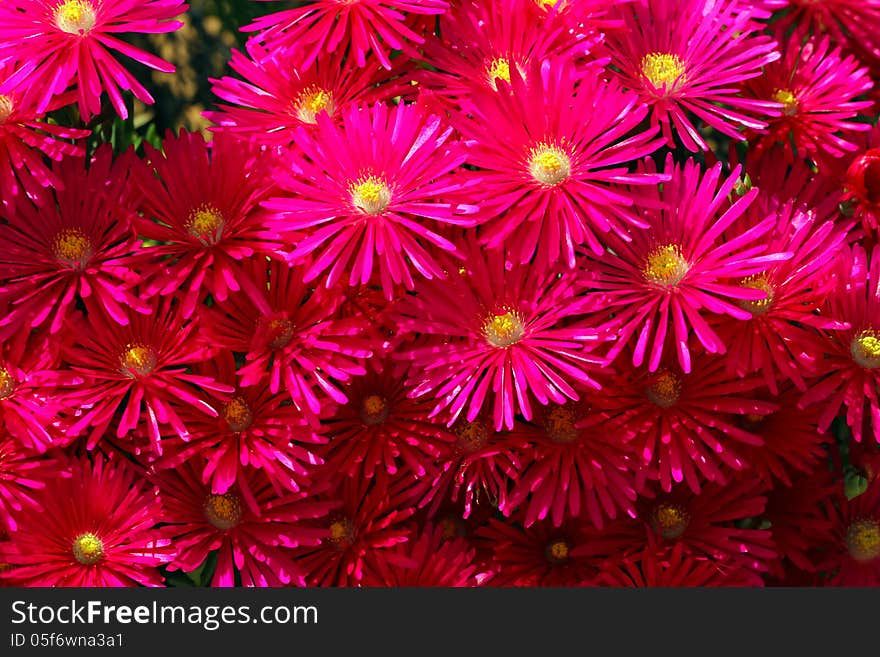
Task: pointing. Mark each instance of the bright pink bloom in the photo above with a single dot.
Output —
(251, 528)
(781, 339)
(554, 149)
(363, 531)
(200, 203)
(850, 358)
(25, 138)
(91, 527)
(23, 473)
(498, 337)
(855, 557)
(364, 194)
(75, 243)
(137, 373)
(64, 42)
(363, 26)
(691, 57)
(573, 466)
(818, 88)
(688, 265)
(685, 425)
(862, 183)
(291, 335)
(278, 93)
(851, 23)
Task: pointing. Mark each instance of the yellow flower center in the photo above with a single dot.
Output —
(664, 390)
(237, 414)
(669, 520)
(137, 360)
(88, 549)
(663, 70)
(280, 333)
(788, 99)
(865, 349)
(758, 306)
(559, 423)
(72, 248)
(504, 330)
(498, 69)
(557, 551)
(311, 101)
(863, 540)
(666, 266)
(6, 107)
(370, 194)
(547, 3)
(549, 165)
(75, 16)
(7, 384)
(205, 223)
(374, 410)
(223, 511)
(341, 533)
(472, 436)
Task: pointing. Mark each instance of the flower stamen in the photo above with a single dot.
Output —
(88, 549)
(666, 266)
(664, 390)
(223, 511)
(757, 306)
(504, 330)
(549, 165)
(863, 540)
(865, 349)
(370, 194)
(72, 248)
(206, 224)
(313, 100)
(663, 70)
(237, 414)
(75, 16)
(669, 521)
(138, 360)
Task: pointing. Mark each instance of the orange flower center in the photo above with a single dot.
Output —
(341, 533)
(863, 540)
(557, 551)
(472, 436)
(374, 410)
(223, 511)
(138, 360)
(237, 414)
(6, 107)
(669, 520)
(7, 384)
(72, 248)
(206, 224)
(664, 390)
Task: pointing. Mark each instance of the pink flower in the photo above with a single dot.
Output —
(554, 150)
(65, 42)
(498, 336)
(364, 194)
(690, 57)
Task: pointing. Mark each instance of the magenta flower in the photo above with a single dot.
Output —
(554, 150)
(498, 337)
(662, 284)
(690, 57)
(94, 526)
(364, 194)
(63, 42)
(23, 473)
(279, 93)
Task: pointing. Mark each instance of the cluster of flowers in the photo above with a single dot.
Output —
(459, 292)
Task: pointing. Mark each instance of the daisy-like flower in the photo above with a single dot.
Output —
(482, 41)
(862, 183)
(251, 528)
(499, 338)
(91, 527)
(660, 286)
(691, 57)
(539, 555)
(851, 358)
(780, 339)
(554, 150)
(791, 440)
(685, 425)
(22, 474)
(359, 535)
(667, 567)
(25, 140)
(201, 203)
(277, 93)
(572, 466)
(362, 26)
(74, 243)
(382, 432)
(254, 430)
(855, 559)
(291, 335)
(478, 472)
(850, 23)
(30, 402)
(63, 42)
(366, 192)
(818, 88)
(429, 560)
(137, 373)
